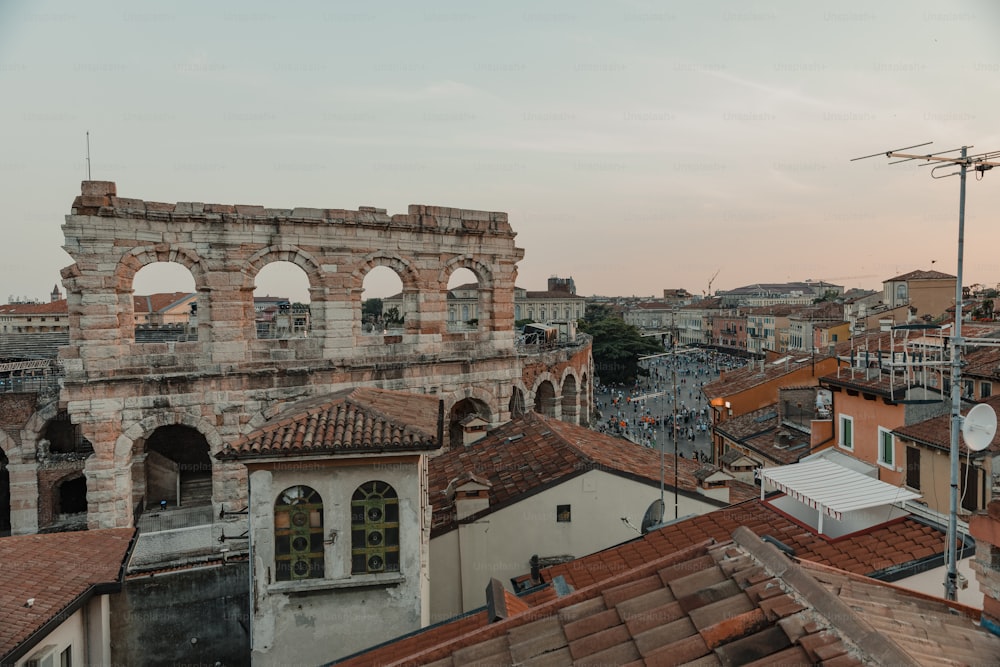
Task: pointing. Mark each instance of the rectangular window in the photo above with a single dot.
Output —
(66, 657)
(969, 389)
(985, 389)
(846, 438)
(563, 513)
(886, 447)
(913, 468)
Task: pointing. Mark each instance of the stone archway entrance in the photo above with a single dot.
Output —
(545, 399)
(178, 468)
(468, 422)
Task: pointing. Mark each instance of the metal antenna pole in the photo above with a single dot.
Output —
(951, 580)
(676, 460)
(88, 155)
(981, 163)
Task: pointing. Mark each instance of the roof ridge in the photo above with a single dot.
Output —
(849, 624)
(552, 607)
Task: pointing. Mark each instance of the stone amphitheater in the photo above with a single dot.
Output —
(137, 418)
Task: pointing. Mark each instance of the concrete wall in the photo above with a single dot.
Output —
(194, 616)
(501, 544)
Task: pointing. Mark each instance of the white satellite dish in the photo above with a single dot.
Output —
(979, 427)
(653, 517)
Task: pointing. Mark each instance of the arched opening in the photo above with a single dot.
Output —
(516, 404)
(178, 468)
(545, 399)
(70, 496)
(63, 437)
(4, 495)
(465, 305)
(384, 307)
(164, 303)
(469, 420)
(570, 400)
(585, 402)
(281, 302)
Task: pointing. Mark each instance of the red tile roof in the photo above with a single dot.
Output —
(51, 308)
(750, 376)
(155, 303)
(534, 452)
(739, 602)
(56, 571)
(919, 275)
(879, 550)
(350, 421)
(936, 431)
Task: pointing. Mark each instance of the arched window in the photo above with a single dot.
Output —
(374, 529)
(298, 534)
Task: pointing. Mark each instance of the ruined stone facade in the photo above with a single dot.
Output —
(123, 395)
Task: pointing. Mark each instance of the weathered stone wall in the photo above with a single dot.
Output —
(227, 382)
(199, 616)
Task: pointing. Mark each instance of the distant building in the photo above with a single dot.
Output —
(928, 293)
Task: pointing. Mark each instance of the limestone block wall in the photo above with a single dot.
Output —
(227, 381)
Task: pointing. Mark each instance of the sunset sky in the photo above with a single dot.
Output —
(636, 146)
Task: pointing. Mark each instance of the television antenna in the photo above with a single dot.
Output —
(960, 165)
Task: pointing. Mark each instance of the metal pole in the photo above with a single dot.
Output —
(951, 580)
(676, 459)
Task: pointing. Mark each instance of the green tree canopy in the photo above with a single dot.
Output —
(617, 347)
(372, 307)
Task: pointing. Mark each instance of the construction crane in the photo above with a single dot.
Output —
(710, 281)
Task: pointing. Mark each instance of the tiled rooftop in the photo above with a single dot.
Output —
(747, 377)
(534, 452)
(739, 602)
(54, 570)
(346, 422)
(936, 431)
(919, 275)
(51, 307)
(982, 362)
(877, 551)
(155, 303)
(761, 431)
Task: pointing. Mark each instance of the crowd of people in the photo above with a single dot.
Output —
(667, 400)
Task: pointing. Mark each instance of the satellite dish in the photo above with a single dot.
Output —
(979, 427)
(653, 516)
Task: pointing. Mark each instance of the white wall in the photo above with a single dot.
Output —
(87, 631)
(501, 544)
(931, 582)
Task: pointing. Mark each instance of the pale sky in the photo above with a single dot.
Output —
(636, 145)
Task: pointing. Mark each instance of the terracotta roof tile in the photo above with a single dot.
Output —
(54, 570)
(816, 613)
(534, 452)
(356, 420)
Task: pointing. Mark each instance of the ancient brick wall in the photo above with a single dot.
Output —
(227, 381)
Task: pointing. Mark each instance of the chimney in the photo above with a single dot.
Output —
(985, 528)
(470, 494)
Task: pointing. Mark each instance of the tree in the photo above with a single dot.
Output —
(371, 309)
(617, 347)
(392, 316)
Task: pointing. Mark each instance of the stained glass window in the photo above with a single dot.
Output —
(298, 534)
(374, 529)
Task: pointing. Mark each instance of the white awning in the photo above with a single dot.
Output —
(833, 489)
